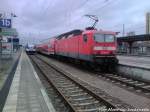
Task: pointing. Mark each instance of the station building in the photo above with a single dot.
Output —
(136, 44)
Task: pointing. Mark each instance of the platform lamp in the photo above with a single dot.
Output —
(12, 16)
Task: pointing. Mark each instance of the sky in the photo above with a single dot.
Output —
(40, 19)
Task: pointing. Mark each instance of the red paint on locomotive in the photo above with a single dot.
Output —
(89, 45)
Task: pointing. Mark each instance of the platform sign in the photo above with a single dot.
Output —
(5, 23)
(8, 32)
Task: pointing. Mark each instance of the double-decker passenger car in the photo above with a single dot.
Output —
(46, 46)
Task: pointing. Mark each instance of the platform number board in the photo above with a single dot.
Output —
(5, 23)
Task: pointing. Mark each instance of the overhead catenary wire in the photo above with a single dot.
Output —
(106, 4)
(69, 12)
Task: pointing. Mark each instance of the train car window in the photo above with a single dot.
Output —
(85, 38)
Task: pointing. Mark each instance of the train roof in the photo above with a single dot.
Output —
(74, 32)
(79, 32)
(99, 31)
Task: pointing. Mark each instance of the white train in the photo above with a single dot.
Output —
(30, 49)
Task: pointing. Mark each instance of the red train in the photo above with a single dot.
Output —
(93, 47)
(46, 46)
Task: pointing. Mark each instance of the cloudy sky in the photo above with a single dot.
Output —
(40, 19)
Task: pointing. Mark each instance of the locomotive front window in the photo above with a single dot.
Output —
(99, 38)
(109, 38)
(104, 38)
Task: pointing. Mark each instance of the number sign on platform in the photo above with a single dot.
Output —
(5, 23)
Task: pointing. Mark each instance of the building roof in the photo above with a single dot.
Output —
(144, 37)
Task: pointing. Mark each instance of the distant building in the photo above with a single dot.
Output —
(147, 43)
(148, 23)
(138, 47)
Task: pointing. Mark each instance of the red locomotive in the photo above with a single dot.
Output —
(93, 47)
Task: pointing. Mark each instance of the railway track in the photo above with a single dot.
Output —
(56, 99)
(129, 83)
(78, 97)
(137, 85)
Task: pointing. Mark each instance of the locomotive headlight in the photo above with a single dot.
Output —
(104, 48)
(111, 48)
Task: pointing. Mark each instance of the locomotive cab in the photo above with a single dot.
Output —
(104, 48)
(104, 44)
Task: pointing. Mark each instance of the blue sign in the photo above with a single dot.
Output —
(14, 40)
(5, 23)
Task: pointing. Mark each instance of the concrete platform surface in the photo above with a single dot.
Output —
(27, 94)
(143, 62)
(6, 65)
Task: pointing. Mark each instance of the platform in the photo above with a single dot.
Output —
(136, 61)
(27, 93)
